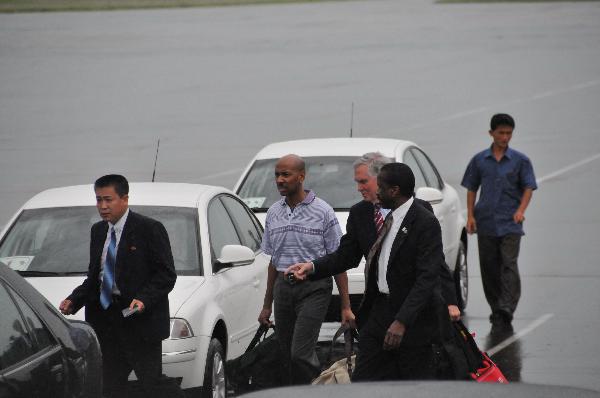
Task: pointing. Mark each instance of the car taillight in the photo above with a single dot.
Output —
(180, 329)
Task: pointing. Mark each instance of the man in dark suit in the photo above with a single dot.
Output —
(402, 314)
(131, 267)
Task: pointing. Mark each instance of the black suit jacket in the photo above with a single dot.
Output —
(360, 236)
(144, 270)
(413, 272)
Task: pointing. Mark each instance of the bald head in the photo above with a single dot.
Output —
(292, 162)
(289, 176)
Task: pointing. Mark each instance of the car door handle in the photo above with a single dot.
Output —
(256, 283)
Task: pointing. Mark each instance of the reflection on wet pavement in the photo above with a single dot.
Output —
(508, 359)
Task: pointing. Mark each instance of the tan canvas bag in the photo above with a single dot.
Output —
(340, 371)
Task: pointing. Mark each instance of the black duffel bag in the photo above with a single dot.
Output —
(464, 356)
(260, 367)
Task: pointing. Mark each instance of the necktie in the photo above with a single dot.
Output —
(108, 277)
(374, 252)
(378, 218)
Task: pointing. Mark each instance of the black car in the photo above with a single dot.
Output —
(41, 353)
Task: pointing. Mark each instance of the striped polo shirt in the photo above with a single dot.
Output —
(310, 230)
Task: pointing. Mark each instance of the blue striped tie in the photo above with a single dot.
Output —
(108, 278)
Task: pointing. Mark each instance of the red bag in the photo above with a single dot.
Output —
(490, 373)
(478, 364)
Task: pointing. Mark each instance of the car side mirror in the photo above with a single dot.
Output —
(234, 256)
(431, 195)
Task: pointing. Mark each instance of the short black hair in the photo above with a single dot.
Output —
(501, 119)
(117, 181)
(400, 175)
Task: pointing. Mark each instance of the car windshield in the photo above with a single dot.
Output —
(330, 177)
(56, 241)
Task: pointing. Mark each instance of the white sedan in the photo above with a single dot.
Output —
(329, 172)
(221, 271)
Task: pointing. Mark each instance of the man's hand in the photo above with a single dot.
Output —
(393, 336)
(300, 270)
(137, 303)
(471, 225)
(263, 317)
(348, 318)
(454, 313)
(66, 307)
(519, 216)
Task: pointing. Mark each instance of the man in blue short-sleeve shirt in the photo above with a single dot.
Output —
(299, 227)
(505, 180)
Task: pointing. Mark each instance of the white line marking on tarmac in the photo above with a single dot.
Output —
(462, 114)
(533, 325)
(568, 168)
(490, 108)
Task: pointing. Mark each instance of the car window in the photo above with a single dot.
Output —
(56, 241)
(330, 177)
(410, 160)
(16, 343)
(181, 224)
(249, 234)
(220, 228)
(50, 240)
(431, 174)
(37, 330)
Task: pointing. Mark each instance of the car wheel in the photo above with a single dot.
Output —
(461, 277)
(215, 385)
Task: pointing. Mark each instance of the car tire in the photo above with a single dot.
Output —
(215, 383)
(461, 277)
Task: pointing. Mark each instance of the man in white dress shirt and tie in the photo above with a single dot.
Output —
(403, 315)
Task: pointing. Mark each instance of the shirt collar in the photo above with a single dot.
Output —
(401, 211)
(119, 225)
(508, 153)
(310, 196)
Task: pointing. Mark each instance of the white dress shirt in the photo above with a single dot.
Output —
(118, 226)
(386, 246)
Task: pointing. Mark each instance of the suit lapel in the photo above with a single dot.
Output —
(126, 238)
(99, 241)
(369, 222)
(403, 232)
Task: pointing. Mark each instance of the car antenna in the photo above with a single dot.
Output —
(155, 159)
(351, 119)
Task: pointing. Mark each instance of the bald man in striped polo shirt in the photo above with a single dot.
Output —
(299, 227)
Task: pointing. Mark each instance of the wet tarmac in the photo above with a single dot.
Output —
(84, 94)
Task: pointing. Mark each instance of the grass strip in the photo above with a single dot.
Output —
(15, 6)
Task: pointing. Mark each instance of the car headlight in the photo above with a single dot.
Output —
(180, 329)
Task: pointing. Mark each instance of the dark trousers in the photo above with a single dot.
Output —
(299, 312)
(122, 352)
(373, 363)
(500, 273)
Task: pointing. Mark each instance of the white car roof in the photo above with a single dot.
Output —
(140, 194)
(334, 147)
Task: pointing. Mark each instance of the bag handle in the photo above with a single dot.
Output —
(468, 337)
(261, 331)
(349, 335)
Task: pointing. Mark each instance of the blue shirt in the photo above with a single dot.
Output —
(310, 230)
(502, 185)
